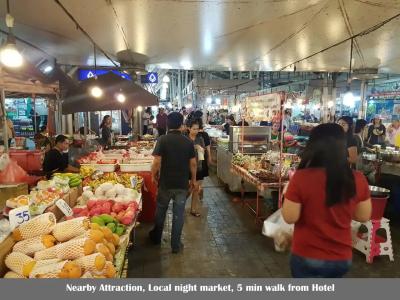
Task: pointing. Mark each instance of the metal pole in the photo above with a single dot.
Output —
(362, 113)
(4, 119)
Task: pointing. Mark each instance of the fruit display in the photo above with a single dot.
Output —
(125, 179)
(68, 249)
(123, 212)
(18, 201)
(73, 179)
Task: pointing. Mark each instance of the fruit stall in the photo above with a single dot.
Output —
(72, 226)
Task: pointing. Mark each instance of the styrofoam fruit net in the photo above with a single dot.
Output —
(87, 275)
(20, 263)
(13, 275)
(101, 248)
(35, 244)
(63, 269)
(93, 262)
(74, 249)
(67, 230)
(41, 263)
(49, 253)
(39, 225)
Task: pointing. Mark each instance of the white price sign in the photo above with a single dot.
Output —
(19, 216)
(64, 207)
(133, 181)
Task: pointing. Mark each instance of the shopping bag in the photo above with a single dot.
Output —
(276, 228)
(13, 173)
(4, 160)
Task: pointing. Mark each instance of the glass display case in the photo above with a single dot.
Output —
(249, 139)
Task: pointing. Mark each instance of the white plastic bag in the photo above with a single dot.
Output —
(276, 228)
(4, 160)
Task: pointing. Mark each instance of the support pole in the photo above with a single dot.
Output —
(4, 119)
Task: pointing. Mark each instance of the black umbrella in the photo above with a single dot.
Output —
(81, 100)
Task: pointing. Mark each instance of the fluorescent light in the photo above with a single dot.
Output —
(166, 79)
(48, 69)
(96, 92)
(121, 97)
(10, 56)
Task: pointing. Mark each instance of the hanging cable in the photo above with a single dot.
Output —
(79, 27)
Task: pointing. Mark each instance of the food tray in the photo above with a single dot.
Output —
(135, 167)
(105, 167)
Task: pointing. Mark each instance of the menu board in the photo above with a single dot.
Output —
(262, 108)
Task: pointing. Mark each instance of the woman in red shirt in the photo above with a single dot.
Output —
(322, 198)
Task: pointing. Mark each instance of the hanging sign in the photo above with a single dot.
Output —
(84, 74)
(151, 77)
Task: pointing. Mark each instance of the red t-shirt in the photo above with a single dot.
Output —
(323, 232)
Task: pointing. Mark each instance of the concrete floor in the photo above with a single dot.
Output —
(226, 242)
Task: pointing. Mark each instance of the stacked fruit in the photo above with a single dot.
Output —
(74, 179)
(71, 249)
(110, 222)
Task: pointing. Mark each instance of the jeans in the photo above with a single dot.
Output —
(302, 267)
(164, 196)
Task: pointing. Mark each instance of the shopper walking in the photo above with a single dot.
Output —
(200, 148)
(174, 159)
(346, 123)
(161, 122)
(322, 198)
(146, 120)
(106, 132)
(376, 132)
(394, 133)
(207, 158)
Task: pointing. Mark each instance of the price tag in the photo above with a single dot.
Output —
(18, 216)
(64, 207)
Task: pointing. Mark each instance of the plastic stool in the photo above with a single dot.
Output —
(370, 243)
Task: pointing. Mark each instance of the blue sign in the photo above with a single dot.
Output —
(84, 74)
(151, 77)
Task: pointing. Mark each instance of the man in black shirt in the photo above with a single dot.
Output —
(55, 159)
(174, 160)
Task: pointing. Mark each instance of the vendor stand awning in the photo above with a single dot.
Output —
(80, 100)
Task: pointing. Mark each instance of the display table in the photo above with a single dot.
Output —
(261, 187)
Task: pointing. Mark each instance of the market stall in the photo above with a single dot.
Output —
(72, 226)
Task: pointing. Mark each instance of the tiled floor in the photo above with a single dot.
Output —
(225, 242)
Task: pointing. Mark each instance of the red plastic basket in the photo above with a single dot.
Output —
(378, 207)
(29, 160)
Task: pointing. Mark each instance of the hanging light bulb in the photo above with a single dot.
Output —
(9, 54)
(121, 98)
(139, 108)
(96, 92)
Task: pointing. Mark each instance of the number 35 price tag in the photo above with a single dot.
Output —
(19, 216)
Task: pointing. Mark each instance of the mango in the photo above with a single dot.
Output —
(112, 227)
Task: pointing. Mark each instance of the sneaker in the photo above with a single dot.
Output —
(153, 239)
(177, 250)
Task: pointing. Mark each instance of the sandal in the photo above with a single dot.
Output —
(195, 214)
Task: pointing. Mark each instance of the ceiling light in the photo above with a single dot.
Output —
(121, 98)
(348, 99)
(330, 104)
(96, 92)
(139, 108)
(209, 100)
(48, 69)
(166, 79)
(9, 54)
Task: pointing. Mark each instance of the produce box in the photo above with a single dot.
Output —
(5, 248)
(8, 191)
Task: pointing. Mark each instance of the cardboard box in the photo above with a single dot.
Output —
(5, 248)
(8, 191)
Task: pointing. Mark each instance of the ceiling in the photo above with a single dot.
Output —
(239, 35)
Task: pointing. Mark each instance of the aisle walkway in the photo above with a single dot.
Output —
(225, 242)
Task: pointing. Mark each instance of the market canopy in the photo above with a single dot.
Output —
(80, 100)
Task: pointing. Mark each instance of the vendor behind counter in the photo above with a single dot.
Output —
(56, 160)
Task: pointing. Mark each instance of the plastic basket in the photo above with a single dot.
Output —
(29, 160)
(378, 207)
